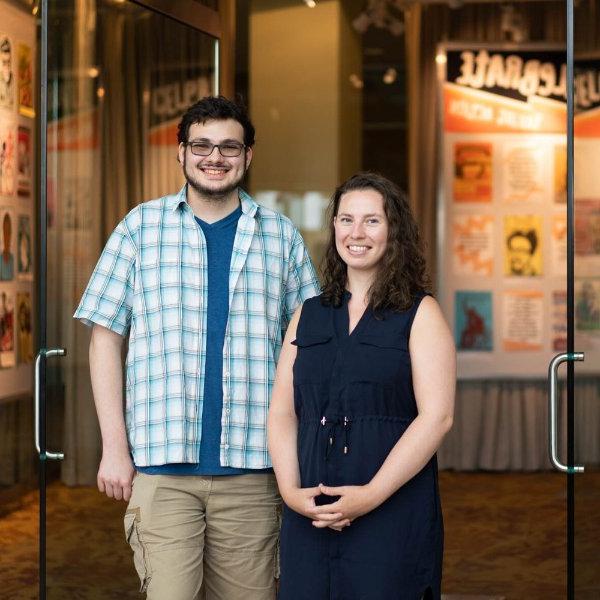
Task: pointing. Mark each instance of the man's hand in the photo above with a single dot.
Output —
(354, 501)
(115, 475)
(302, 501)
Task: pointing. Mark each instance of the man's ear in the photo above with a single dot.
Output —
(181, 153)
(249, 155)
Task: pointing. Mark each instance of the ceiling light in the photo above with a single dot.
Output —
(390, 76)
(310, 3)
(356, 81)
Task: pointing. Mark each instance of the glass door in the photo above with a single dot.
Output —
(18, 460)
(582, 464)
(116, 76)
(584, 487)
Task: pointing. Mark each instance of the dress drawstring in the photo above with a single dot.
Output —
(332, 425)
(346, 431)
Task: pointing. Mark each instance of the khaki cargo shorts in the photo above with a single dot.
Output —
(213, 538)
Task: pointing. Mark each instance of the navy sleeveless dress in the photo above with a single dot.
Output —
(354, 399)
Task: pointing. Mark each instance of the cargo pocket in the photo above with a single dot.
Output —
(132, 535)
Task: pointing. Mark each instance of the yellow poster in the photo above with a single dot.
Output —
(558, 254)
(472, 172)
(522, 245)
(25, 80)
(560, 173)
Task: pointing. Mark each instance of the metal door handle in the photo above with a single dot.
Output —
(43, 353)
(553, 410)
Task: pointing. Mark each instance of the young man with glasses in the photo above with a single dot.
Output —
(203, 283)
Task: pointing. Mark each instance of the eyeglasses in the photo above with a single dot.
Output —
(227, 149)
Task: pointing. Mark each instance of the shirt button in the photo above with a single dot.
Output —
(227, 411)
(226, 446)
(226, 373)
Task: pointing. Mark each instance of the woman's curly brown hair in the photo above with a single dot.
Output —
(402, 272)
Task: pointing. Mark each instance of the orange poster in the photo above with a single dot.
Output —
(472, 172)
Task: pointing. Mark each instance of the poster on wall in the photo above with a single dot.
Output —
(24, 161)
(559, 245)
(7, 77)
(24, 328)
(587, 236)
(24, 249)
(522, 320)
(7, 244)
(523, 173)
(522, 245)
(559, 166)
(473, 321)
(18, 52)
(472, 172)
(559, 320)
(25, 79)
(503, 193)
(7, 156)
(7, 328)
(473, 245)
(587, 305)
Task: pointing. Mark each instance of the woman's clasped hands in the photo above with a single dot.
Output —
(352, 502)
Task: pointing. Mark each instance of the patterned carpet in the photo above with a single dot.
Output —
(504, 540)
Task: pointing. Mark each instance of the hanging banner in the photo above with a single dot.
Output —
(503, 198)
(168, 101)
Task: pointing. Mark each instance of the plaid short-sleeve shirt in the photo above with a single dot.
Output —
(151, 282)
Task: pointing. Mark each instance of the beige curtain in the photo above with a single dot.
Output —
(503, 426)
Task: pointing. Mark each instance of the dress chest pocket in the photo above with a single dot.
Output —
(382, 357)
(314, 353)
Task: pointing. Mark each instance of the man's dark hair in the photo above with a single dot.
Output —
(216, 108)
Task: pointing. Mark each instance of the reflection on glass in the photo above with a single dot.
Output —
(587, 300)
(119, 78)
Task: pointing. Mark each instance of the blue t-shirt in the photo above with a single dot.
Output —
(219, 246)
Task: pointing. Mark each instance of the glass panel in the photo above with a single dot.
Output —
(119, 78)
(18, 482)
(357, 81)
(587, 302)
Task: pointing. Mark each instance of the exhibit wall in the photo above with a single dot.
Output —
(17, 193)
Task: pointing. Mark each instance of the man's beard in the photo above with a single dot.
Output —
(209, 193)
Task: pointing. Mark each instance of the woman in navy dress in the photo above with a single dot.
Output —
(363, 397)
